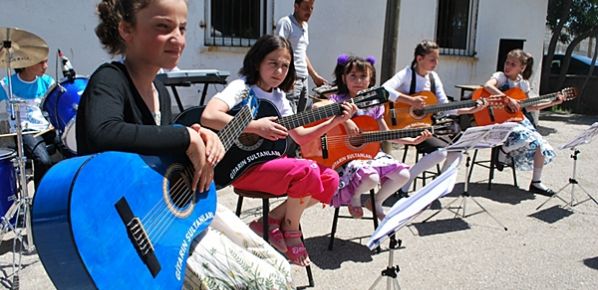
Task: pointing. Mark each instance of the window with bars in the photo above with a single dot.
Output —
(235, 23)
(456, 27)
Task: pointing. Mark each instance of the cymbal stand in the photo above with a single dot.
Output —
(22, 203)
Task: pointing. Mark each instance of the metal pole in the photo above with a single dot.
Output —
(389, 48)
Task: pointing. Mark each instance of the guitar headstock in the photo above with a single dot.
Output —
(446, 126)
(570, 93)
(371, 97)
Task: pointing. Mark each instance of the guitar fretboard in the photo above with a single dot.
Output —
(537, 100)
(447, 107)
(390, 135)
(233, 129)
(306, 117)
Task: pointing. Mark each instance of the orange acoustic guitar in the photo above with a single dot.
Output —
(336, 147)
(400, 115)
(497, 113)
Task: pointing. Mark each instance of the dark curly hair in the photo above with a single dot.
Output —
(111, 13)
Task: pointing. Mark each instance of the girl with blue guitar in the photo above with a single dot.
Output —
(124, 109)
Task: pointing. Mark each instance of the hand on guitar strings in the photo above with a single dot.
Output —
(349, 109)
(268, 128)
(417, 101)
(511, 105)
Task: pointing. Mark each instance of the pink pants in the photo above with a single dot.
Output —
(296, 177)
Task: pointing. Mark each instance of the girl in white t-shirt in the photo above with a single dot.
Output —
(268, 71)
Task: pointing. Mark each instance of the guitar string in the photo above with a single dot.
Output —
(183, 198)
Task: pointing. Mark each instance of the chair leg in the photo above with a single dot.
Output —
(374, 214)
(493, 161)
(475, 154)
(333, 231)
(239, 206)
(265, 212)
(514, 173)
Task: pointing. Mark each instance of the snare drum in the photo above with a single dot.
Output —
(8, 180)
(60, 105)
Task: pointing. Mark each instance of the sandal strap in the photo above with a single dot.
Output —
(292, 234)
(536, 182)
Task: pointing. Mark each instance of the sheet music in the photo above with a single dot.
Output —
(406, 209)
(584, 138)
(483, 137)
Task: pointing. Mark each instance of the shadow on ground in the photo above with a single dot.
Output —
(591, 263)
(344, 250)
(552, 214)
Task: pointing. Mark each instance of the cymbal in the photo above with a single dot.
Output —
(27, 48)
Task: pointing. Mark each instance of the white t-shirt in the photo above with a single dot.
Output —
(298, 36)
(502, 80)
(232, 95)
(401, 82)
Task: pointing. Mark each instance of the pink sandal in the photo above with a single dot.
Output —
(296, 253)
(275, 236)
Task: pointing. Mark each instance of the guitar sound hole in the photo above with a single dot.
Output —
(356, 141)
(418, 113)
(249, 142)
(179, 193)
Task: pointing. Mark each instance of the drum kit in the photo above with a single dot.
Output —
(20, 49)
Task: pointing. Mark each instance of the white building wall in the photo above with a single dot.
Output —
(355, 27)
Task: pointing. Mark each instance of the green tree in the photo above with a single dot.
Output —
(571, 21)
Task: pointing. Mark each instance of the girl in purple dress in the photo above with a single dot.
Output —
(354, 74)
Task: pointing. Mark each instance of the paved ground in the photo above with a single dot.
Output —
(554, 248)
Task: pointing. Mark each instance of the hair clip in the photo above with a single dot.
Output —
(342, 59)
(371, 59)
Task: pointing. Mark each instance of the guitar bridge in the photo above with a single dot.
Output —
(138, 236)
(324, 144)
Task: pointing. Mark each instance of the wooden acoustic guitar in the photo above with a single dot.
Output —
(400, 115)
(336, 147)
(498, 113)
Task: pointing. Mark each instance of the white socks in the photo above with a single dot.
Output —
(427, 162)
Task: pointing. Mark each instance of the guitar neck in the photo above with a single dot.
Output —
(306, 117)
(537, 100)
(235, 127)
(448, 106)
(390, 135)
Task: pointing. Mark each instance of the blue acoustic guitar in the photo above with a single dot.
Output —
(118, 220)
(251, 149)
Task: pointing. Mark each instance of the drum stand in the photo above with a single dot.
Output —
(392, 271)
(22, 204)
(572, 182)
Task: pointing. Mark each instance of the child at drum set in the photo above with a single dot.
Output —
(30, 85)
(524, 146)
(354, 74)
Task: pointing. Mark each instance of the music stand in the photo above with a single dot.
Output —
(482, 137)
(402, 212)
(583, 138)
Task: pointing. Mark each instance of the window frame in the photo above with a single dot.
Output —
(470, 43)
(266, 23)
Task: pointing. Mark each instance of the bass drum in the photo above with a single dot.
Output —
(60, 107)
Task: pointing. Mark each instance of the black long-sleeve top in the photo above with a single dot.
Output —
(112, 116)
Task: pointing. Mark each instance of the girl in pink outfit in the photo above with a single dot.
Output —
(268, 71)
(354, 74)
